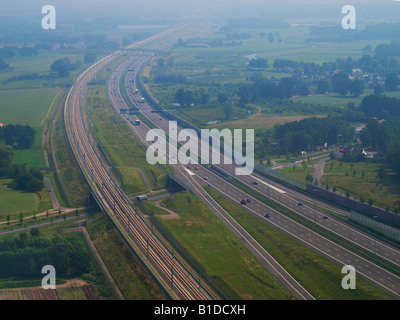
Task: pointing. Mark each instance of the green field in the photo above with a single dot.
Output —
(319, 276)
(39, 64)
(13, 202)
(362, 182)
(217, 250)
(25, 106)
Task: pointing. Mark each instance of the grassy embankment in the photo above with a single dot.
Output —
(321, 277)
(121, 146)
(133, 279)
(361, 181)
(216, 249)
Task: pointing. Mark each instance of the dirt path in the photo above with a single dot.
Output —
(319, 169)
(171, 215)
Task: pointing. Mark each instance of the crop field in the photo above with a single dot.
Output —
(25, 106)
(260, 121)
(86, 292)
(39, 64)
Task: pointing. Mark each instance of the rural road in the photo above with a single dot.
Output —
(53, 197)
(319, 169)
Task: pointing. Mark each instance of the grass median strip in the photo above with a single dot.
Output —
(318, 275)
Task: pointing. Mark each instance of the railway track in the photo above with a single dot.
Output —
(175, 277)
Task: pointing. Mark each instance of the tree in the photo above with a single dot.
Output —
(340, 83)
(258, 63)
(62, 67)
(324, 85)
(391, 82)
(228, 110)
(6, 158)
(222, 97)
(356, 87)
(89, 57)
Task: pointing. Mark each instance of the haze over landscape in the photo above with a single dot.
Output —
(117, 125)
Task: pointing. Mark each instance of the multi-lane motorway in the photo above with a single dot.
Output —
(117, 203)
(289, 198)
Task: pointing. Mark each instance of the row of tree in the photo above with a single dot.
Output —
(385, 137)
(261, 89)
(25, 256)
(18, 136)
(313, 132)
(26, 179)
(64, 66)
(380, 64)
(380, 106)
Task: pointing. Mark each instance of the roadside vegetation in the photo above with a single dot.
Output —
(321, 277)
(123, 150)
(219, 253)
(131, 276)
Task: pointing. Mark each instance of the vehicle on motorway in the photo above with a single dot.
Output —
(255, 182)
(142, 197)
(142, 100)
(325, 217)
(244, 201)
(196, 168)
(248, 200)
(136, 91)
(189, 166)
(50, 190)
(300, 204)
(205, 178)
(137, 122)
(267, 215)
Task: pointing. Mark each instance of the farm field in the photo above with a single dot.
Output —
(13, 202)
(71, 290)
(25, 106)
(261, 121)
(39, 64)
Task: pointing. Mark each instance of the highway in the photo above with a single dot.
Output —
(164, 264)
(289, 198)
(265, 259)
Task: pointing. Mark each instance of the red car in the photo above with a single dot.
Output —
(244, 201)
(189, 166)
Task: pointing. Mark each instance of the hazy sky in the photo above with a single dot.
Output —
(269, 9)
